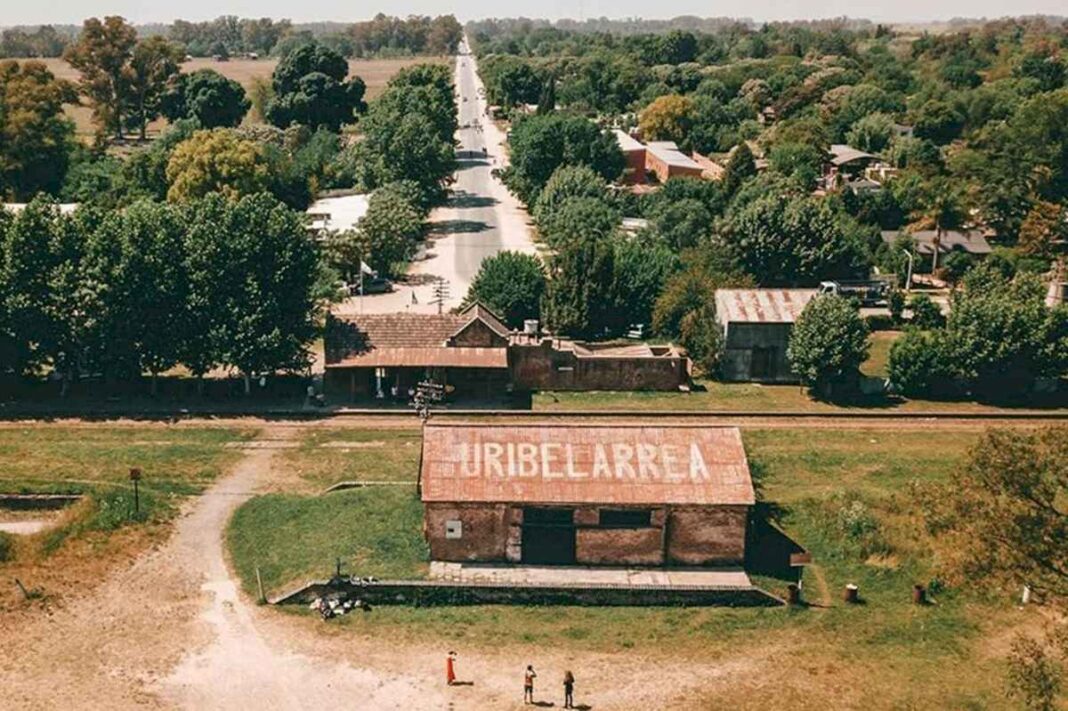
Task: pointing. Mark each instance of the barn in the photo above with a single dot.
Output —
(577, 493)
(756, 327)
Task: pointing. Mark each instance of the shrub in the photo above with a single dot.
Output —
(828, 343)
(918, 362)
(896, 303)
(925, 312)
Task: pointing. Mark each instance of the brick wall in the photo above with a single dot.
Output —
(542, 367)
(707, 535)
(484, 535)
(619, 546)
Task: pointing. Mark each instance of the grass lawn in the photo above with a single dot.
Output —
(844, 496)
(713, 396)
(328, 456)
(879, 354)
(95, 460)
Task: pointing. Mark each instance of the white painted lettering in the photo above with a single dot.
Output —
(492, 457)
(470, 461)
(669, 459)
(572, 472)
(698, 470)
(622, 453)
(528, 459)
(548, 457)
(600, 463)
(510, 448)
(647, 466)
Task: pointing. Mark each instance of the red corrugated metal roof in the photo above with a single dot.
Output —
(761, 305)
(425, 357)
(581, 463)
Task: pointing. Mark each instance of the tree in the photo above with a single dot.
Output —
(272, 308)
(871, 133)
(800, 161)
(580, 219)
(389, 230)
(579, 299)
(310, 88)
(682, 224)
(511, 284)
(568, 182)
(216, 161)
(207, 96)
(941, 211)
(153, 62)
(794, 240)
(740, 167)
(102, 55)
(925, 312)
(1044, 225)
(36, 139)
(828, 343)
(641, 269)
(667, 118)
(685, 310)
(541, 144)
(918, 363)
(1001, 518)
(938, 121)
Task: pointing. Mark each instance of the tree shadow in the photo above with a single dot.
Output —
(452, 227)
(467, 200)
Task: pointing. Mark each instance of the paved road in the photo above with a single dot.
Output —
(481, 219)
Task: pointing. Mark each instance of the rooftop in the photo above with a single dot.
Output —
(626, 141)
(338, 213)
(842, 154)
(669, 153)
(761, 305)
(65, 208)
(583, 463)
(970, 241)
(410, 340)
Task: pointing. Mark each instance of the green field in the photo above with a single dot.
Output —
(95, 460)
(326, 457)
(842, 493)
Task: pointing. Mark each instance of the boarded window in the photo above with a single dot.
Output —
(625, 518)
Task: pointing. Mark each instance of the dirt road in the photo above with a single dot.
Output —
(173, 631)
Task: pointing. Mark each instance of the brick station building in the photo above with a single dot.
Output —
(585, 494)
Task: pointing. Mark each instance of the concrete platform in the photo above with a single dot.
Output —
(504, 574)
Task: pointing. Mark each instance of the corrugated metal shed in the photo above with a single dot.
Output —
(581, 463)
(761, 305)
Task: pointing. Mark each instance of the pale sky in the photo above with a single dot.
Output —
(16, 12)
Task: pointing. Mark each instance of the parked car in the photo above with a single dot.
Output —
(869, 292)
(371, 285)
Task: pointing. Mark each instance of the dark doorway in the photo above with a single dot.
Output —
(548, 536)
(762, 363)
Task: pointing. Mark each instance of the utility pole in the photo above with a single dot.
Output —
(441, 293)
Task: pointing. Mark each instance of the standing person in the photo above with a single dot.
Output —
(569, 690)
(528, 684)
(450, 668)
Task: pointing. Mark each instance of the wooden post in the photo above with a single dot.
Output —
(259, 583)
(919, 595)
(852, 594)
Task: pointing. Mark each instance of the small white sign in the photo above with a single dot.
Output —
(454, 529)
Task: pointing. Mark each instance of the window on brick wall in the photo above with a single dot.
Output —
(625, 518)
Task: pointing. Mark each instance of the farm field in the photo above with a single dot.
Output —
(92, 536)
(375, 72)
(942, 656)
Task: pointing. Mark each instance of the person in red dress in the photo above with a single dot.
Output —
(450, 668)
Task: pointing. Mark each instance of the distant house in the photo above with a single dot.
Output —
(970, 241)
(633, 155)
(66, 208)
(337, 214)
(900, 130)
(665, 160)
(756, 327)
(850, 160)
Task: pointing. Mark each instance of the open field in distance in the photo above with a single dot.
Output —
(375, 72)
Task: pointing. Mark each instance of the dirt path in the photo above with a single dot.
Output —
(173, 631)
